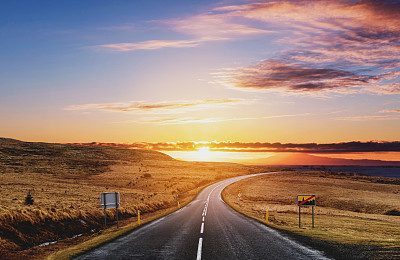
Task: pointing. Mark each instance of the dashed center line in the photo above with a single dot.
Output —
(199, 247)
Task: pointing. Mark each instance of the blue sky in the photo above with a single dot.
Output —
(168, 71)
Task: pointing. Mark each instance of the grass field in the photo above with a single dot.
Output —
(351, 209)
(65, 182)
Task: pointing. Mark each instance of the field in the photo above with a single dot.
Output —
(65, 182)
(357, 214)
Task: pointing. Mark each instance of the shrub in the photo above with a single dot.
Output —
(28, 199)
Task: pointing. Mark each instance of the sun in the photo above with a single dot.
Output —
(204, 154)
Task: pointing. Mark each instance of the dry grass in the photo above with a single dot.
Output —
(65, 182)
(350, 209)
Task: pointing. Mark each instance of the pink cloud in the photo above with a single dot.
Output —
(150, 45)
(339, 46)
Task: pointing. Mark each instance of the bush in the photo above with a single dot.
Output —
(393, 213)
(28, 199)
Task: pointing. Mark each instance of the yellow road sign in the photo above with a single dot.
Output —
(306, 200)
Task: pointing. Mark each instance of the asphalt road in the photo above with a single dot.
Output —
(207, 228)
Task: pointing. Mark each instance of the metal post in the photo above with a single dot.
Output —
(299, 217)
(313, 216)
(116, 207)
(105, 207)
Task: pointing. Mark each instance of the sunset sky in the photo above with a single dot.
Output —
(179, 71)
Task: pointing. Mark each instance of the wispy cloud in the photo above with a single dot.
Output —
(150, 45)
(390, 111)
(335, 148)
(177, 106)
(365, 118)
(189, 120)
(209, 27)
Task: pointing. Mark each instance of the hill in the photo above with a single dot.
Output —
(306, 159)
(18, 156)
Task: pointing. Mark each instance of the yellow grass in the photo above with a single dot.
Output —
(350, 209)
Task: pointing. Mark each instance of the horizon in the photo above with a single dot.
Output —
(234, 79)
(239, 152)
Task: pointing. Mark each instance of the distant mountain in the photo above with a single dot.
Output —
(306, 159)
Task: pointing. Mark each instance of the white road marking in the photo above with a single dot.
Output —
(199, 248)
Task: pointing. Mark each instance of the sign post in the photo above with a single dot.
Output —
(306, 200)
(239, 196)
(110, 200)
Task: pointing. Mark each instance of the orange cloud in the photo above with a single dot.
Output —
(365, 118)
(335, 148)
(188, 120)
(158, 107)
(390, 111)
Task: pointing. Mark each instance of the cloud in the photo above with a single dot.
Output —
(150, 45)
(390, 111)
(178, 106)
(334, 148)
(343, 46)
(276, 74)
(209, 27)
(215, 25)
(189, 120)
(337, 46)
(365, 118)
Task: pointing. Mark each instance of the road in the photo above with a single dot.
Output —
(206, 228)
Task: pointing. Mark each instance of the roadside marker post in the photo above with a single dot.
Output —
(266, 216)
(176, 196)
(306, 200)
(239, 196)
(110, 200)
(138, 217)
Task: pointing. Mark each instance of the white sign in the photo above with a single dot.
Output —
(110, 200)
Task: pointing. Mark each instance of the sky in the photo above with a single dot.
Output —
(300, 72)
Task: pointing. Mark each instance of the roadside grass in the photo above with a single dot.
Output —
(350, 210)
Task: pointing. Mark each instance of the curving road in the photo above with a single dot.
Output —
(207, 228)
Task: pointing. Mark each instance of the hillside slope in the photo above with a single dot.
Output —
(18, 156)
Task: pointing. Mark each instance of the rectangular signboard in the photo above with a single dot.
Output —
(110, 200)
(306, 200)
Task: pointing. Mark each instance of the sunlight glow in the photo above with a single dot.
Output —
(204, 154)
